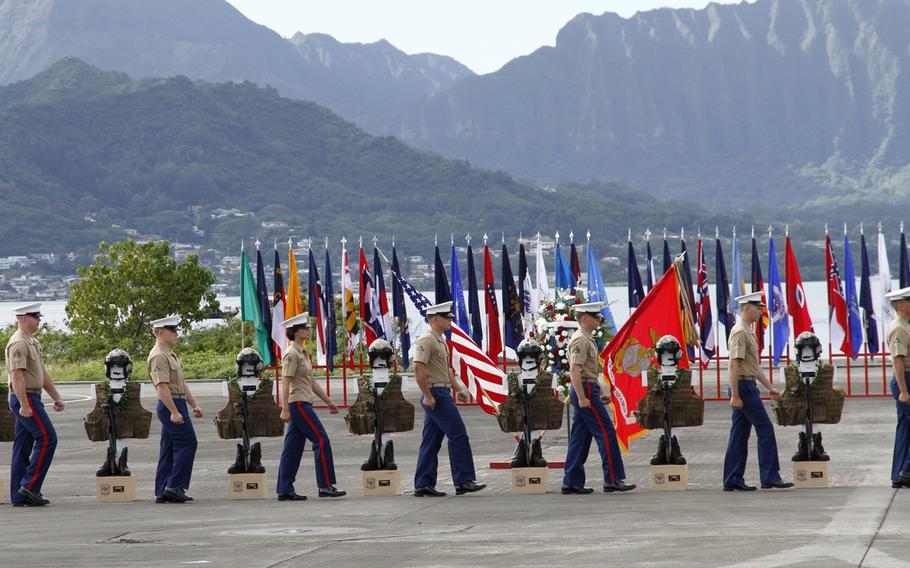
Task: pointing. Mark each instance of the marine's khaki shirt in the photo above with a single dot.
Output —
(24, 352)
(432, 351)
(164, 367)
(743, 345)
(899, 338)
(297, 369)
(583, 354)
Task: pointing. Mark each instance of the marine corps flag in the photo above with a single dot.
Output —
(628, 355)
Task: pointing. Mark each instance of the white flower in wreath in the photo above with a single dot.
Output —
(565, 334)
(560, 305)
(562, 351)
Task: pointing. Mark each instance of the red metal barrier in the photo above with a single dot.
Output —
(857, 374)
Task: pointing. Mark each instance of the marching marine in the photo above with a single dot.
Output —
(899, 347)
(298, 393)
(35, 437)
(748, 410)
(590, 421)
(178, 438)
(436, 381)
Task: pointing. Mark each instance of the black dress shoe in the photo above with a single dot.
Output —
(428, 492)
(330, 491)
(469, 487)
(577, 490)
(291, 497)
(618, 486)
(162, 499)
(32, 498)
(175, 495)
(740, 487)
(779, 484)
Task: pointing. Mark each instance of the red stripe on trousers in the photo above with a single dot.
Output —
(604, 432)
(43, 444)
(325, 467)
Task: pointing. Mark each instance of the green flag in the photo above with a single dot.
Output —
(249, 308)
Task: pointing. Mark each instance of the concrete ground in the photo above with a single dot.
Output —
(857, 521)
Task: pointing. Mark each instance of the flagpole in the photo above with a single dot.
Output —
(242, 327)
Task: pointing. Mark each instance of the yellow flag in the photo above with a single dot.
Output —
(294, 305)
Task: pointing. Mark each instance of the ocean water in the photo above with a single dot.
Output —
(816, 294)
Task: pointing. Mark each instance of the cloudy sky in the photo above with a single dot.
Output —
(482, 34)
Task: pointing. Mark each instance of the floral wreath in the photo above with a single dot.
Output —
(103, 390)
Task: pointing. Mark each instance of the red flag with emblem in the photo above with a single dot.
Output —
(628, 355)
(796, 296)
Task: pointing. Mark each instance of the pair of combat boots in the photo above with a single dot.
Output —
(676, 457)
(239, 465)
(388, 458)
(520, 457)
(112, 466)
(817, 451)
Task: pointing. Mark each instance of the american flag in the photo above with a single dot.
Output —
(485, 381)
(703, 310)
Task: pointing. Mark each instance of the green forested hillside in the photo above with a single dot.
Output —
(86, 155)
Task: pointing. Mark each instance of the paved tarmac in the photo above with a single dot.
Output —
(857, 521)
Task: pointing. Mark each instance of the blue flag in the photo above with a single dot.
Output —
(331, 341)
(443, 294)
(780, 325)
(511, 303)
(564, 276)
(722, 291)
(474, 300)
(460, 311)
(399, 310)
(854, 321)
(865, 300)
(596, 290)
(738, 283)
(668, 260)
(265, 307)
(636, 290)
(904, 273)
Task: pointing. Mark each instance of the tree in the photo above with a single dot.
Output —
(131, 284)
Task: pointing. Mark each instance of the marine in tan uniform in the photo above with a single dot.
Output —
(436, 380)
(899, 347)
(178, 438)
(748, 410)
(36, 439)
(590, 420)
(299, 392)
